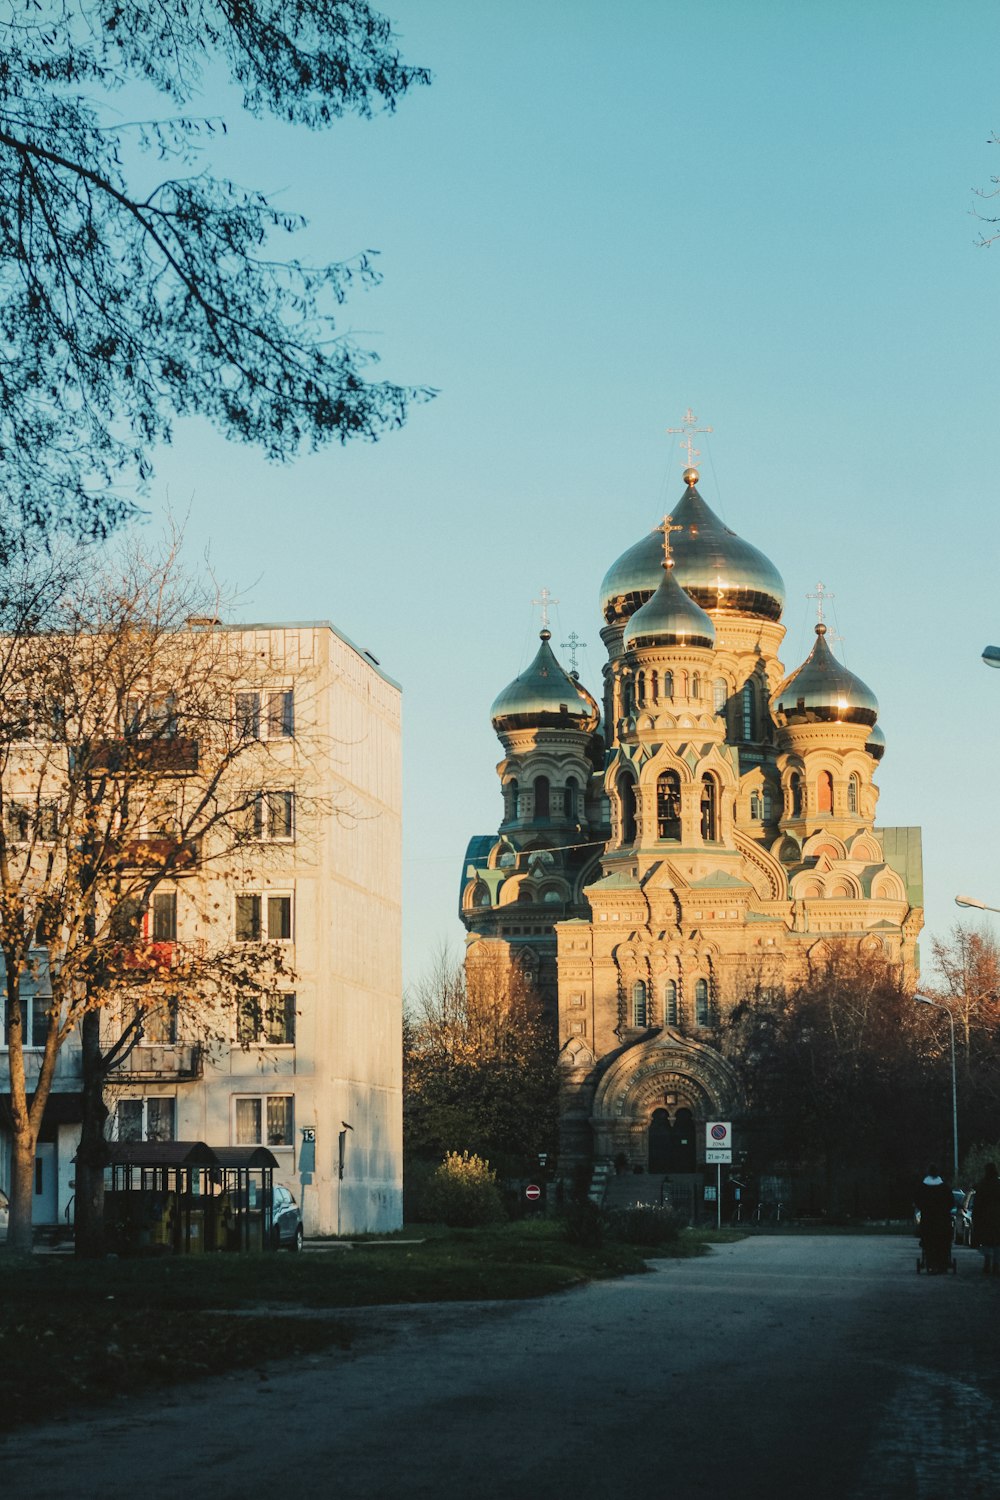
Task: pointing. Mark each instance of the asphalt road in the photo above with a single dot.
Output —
(814, 1367)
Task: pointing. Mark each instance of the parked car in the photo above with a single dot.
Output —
(286, 1223)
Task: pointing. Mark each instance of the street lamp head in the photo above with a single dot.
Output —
(971, 901)
(926, 1000)
(991, 656)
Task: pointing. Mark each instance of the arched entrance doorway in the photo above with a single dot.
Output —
(672, 1142)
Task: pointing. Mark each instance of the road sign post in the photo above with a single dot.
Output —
(718, 1153)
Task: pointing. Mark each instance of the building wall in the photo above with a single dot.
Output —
(343, 871)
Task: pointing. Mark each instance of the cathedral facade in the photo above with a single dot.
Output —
(705, 831)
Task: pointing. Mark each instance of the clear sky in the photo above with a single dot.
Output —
(600, 215)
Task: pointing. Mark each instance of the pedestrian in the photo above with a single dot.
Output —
(934, 1204)
(986, 1219)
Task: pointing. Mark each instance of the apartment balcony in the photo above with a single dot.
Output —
(161, 851)
(161, 1062)
(165, 756)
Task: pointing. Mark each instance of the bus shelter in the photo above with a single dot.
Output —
(187, 1197)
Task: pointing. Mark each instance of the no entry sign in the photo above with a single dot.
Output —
(532, 1191)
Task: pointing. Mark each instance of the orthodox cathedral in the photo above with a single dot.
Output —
(703, 832)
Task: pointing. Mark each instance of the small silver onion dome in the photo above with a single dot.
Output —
(824, 691)
(669, 618)
(716, 567)
(875, 743)
(544, 696)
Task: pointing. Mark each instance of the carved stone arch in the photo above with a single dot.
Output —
(501, 849)
(806, 887)
(865, 848)
(641, 1073)
(786, 850)
(820, 952)
(577, 1055)
(687, 721)
(888, 886)
(518, 887)
(590, 872)
(826, 843)
(476, 896)
(527, 959)
(872, 946)
(843, 888)
(766, 866)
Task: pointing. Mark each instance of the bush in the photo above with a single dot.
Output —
(463, 1193)
(583, 1223)
(645, 1224)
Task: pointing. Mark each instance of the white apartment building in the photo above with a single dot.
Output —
(318, 1078)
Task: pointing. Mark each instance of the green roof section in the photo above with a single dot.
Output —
(904, 854)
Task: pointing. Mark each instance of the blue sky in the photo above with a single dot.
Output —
(594, 218)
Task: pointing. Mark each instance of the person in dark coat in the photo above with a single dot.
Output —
(986, 1219)
(934, 1202)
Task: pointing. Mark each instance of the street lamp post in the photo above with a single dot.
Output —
(938, 1005)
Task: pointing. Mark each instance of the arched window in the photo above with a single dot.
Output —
(668, 806)
(720, 692)
(701, 1002)
(668, 684)
(626, 696)
(569, 799)
(695, 685)
(756, 805)
(639, 1003)
(709, 809)
(541, 798)
(626, 797)
(795, 794)
(746, 711)
(670, 1002)
(682, 684)
(824, 792)
(654, 687)
(640, 689)
(481, 895)
(510, 797)
(766, 804)
(853, 788)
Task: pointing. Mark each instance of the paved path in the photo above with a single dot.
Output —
(812, 1367)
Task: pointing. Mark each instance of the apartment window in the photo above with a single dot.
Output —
(150, 1119)
(159, 1026)
(263, 1120)
(36, 1019)
(24, 821)
(266, 1021)
(263, 918)
(268, 715)
(273, 816)
(164, 922)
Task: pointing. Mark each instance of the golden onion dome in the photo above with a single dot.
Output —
(823, 691)
(670, 617)
(717, 568)
(544, 697)
(875, 743)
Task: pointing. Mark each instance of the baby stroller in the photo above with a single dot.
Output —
(936, 1256)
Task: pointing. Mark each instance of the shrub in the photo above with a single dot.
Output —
(645, 1224)
(583, 1223)
(463, 1193)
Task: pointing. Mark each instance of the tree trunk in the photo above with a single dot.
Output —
(19, 1233)
(92, 1154)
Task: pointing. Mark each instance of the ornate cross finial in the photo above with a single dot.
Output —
(821, 595)
(667, 527)
(689, 428)
(573, 645)
(542, 603)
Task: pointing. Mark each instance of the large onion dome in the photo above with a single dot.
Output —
(875, 743)
(824, 691)
(669, 618)
(543, 697)
(716, 567)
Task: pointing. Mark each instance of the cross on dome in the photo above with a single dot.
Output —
(667, 527)
(573, 645)
(821, 595)
(690, 429)
(542, 603)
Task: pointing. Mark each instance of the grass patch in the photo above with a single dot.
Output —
(77, 1332)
